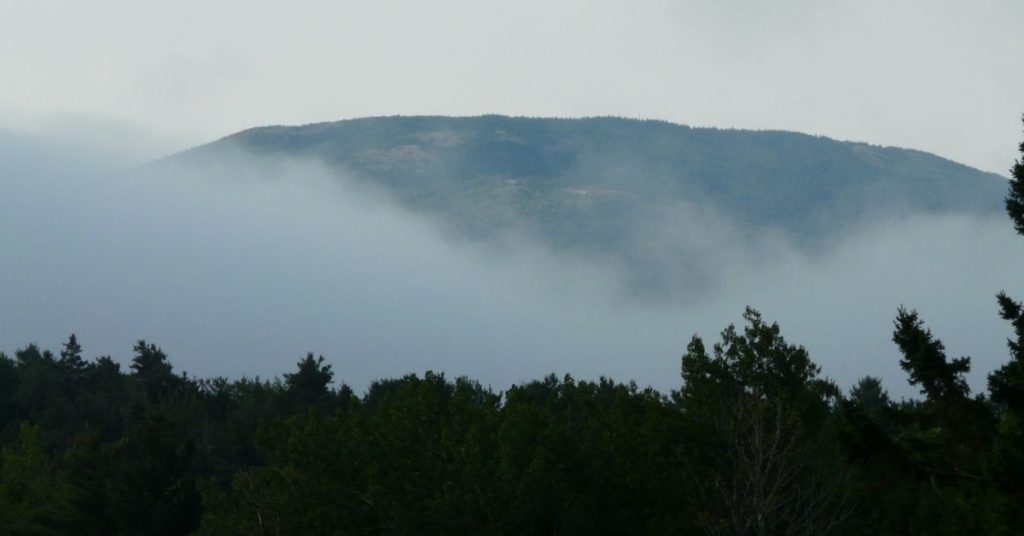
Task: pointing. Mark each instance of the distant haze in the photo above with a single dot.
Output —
(141, 79)
(670, 204)
(241, 267)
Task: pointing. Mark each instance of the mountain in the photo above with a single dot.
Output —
(598, 186)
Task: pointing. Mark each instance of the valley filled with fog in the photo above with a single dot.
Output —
(240, 266)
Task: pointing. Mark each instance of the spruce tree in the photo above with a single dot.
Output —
(1006, 384)
(151, 370)
(924, 359)
(309, 384)
(71, 354)
(1015, 199)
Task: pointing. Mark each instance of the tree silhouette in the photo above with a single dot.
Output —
(1015, 199)
(309, 383)
(1007, 383)
(924, 359)
(151, 370)
(71, 354)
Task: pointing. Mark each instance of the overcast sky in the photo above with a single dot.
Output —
(145, 78)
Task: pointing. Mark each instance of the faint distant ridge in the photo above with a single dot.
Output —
(590, 184)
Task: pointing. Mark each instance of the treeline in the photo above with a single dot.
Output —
(754, 441)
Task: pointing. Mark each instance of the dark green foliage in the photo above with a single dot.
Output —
(1015, 199)
(151, 370)
(871, 396)
(1007, 383)
(308, 386)
(764, 464)
(958, 459)
(754, 442)
(924, 359)
(33, 498)
(71, 355)
(757, 362)
(8, 392)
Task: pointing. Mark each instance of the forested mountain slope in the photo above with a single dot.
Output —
(628, 191)
(586, 170)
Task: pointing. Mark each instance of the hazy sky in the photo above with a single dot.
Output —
(144, 78)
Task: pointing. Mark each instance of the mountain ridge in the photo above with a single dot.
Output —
(602, 186)
(337, 122)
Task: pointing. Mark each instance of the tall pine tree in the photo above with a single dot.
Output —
(1007, 383)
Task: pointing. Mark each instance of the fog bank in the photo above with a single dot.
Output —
(240, 268)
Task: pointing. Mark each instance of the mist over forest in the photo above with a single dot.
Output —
(238, 262)
(484, 369)
(545, 267)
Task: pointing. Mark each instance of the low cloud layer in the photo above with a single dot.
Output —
(243, 267)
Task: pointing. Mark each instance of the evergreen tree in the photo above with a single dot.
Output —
(924, 359)
(151, 370)
(1015, 199)
(760, 410)
(869, 394)
(39, 385)
(1007, 383)
(310, 383)
(71, 355)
